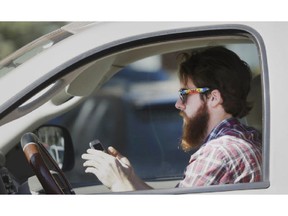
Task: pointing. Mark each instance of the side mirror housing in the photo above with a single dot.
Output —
(58, 143)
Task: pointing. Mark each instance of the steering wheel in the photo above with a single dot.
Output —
(51, 177)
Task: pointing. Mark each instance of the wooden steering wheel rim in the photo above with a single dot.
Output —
(34, 152)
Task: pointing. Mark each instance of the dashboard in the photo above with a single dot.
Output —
(8, 184)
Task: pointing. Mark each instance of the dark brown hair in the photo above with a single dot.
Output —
(219, 68)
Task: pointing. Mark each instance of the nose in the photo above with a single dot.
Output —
(179, 105)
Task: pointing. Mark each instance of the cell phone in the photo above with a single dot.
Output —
(96, 144)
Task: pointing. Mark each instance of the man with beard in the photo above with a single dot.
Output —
(214, 83)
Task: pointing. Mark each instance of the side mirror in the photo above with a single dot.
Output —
(58, 142)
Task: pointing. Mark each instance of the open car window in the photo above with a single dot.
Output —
(134, 111)
(125, 93)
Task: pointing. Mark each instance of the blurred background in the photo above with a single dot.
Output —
(14, 35)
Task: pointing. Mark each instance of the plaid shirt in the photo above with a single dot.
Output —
(230, 154)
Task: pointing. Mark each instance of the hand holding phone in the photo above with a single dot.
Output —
(96, 144)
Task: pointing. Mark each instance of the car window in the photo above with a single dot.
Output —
(135, 112)
(127, 114)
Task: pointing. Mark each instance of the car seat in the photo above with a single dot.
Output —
(254, 118)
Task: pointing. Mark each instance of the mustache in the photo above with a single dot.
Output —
(183, 115)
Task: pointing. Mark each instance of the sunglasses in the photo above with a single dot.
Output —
(183, 93)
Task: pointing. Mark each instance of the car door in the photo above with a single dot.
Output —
(77, 66)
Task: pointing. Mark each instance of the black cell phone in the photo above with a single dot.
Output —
(96, 144)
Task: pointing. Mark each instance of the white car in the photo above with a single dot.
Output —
(47, 79)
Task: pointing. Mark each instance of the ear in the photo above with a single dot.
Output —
(215, 98)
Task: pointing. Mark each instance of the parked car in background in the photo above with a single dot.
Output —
(71, 78)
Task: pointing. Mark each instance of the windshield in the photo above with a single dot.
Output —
(32, 49)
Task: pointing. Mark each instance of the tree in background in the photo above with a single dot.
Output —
(14, 35)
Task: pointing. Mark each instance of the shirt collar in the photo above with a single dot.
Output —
(216, 132)
(233, 127)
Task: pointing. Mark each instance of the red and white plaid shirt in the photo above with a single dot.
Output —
(231, 154)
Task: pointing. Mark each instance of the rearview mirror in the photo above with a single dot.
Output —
(58, 142)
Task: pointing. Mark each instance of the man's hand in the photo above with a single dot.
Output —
(113, 169)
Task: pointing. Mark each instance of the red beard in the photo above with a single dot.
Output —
(195, 128)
